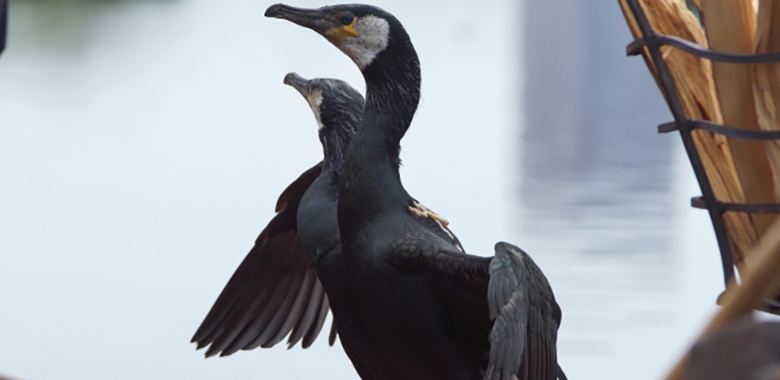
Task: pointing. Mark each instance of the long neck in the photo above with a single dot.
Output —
(370, 184)
(334, 147)
(393, 93)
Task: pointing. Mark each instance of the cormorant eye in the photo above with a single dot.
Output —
(347, 19)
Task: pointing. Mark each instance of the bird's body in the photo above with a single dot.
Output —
(385, 246)
(319, 232)
(280, 287)
(436, 312)
(318, 229)
(428, 333)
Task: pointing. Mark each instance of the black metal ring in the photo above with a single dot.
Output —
(635, 47)
(709, 126)
(667, 84)
(757, 208)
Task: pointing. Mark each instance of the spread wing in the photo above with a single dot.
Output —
(508, 289)
(274, 292)
(526, 318)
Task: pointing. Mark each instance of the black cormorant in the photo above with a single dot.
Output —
(278, 287)
(437, 312)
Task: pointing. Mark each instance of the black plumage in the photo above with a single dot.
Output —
(318, 226)
(278, 288)
(266, 284)
(436, 312)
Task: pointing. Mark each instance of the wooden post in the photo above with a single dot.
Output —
(766, 82)
(730, 27)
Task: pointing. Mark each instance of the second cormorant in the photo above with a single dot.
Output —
(278, 288)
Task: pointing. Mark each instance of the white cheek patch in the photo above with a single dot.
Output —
(373, 35)
(315, 101)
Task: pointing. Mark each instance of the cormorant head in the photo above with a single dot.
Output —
(379, 45)
(337, 107)
(360, 31)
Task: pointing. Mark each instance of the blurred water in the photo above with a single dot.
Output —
(143, 144)
(606, 197)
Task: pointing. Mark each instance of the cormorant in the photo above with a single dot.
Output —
(278, 287)
(437, 312)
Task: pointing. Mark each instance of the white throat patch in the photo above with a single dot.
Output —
(315, 101)
(373, 35)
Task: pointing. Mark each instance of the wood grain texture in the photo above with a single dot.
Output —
(693, 77)
(766, 82)
(730, 27)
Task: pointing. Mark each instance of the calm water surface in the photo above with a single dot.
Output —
(143, 144)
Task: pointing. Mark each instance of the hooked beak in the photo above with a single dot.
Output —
(298, 82)
(314, 19)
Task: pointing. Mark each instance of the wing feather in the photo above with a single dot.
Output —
(333, 333)
(255, 326)
(266, 338)
(306, 323)
(512, 291)
(297, 308)
(308, 339)
(524, 330)
(275, 290)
